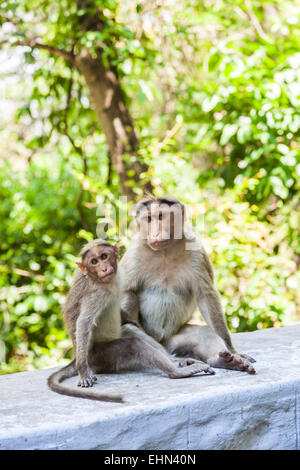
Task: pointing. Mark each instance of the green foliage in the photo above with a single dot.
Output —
(214, 92)
(39, 232)
(255, 273)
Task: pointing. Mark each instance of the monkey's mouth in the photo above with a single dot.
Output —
(108, 276)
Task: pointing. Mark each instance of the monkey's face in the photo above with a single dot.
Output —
(161, 225)
(100, 263)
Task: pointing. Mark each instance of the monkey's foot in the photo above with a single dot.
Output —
(186, 361)
(227, 360)
(87, 381)
(190, 370)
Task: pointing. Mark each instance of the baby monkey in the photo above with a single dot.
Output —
(93, 319)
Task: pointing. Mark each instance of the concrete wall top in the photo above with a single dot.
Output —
(230, 410)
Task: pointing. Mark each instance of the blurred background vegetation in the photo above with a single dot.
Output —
(103, 98)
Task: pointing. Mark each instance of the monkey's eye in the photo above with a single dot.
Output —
(94, 261)
(103, 257)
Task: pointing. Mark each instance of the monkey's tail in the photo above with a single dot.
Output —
(55, 379)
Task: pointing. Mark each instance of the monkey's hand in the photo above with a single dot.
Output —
(87, 379)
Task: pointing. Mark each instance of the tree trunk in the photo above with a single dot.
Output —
(108, 102)
(114, 117)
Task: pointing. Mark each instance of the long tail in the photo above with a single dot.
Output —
(55, 379)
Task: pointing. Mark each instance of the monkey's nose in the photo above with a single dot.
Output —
(108, 270)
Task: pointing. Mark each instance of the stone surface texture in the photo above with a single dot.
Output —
(230, 410)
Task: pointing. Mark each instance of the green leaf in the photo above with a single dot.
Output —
(229, 130)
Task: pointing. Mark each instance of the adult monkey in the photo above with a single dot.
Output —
(167, 272)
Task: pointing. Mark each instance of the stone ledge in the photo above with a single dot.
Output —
(231, 410)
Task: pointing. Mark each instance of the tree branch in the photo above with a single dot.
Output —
(69, 56)
(256, 24)
(109, 170)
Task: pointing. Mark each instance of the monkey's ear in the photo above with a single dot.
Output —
(81, 266)
(116, 250)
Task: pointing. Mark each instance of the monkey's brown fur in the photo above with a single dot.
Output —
(165, 278)
(92, 316)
